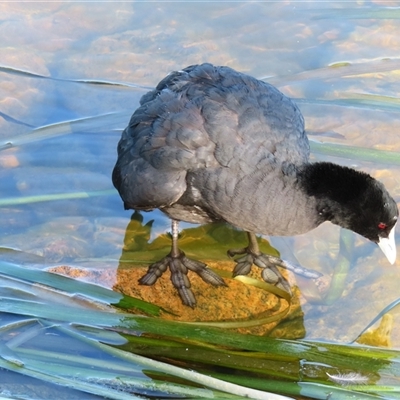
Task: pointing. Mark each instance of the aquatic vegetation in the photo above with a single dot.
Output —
(120, 354)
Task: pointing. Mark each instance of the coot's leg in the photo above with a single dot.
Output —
(269, 264)
(179, 265)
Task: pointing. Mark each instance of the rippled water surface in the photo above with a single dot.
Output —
(71, 74)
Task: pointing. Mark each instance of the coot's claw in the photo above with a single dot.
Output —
(179, 266)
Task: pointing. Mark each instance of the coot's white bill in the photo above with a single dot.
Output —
(388, 246)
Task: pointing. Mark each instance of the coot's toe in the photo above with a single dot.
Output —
(179, 265)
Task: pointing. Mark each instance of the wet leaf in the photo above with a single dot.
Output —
(275, 362)
(21, 72)
(66, 127)
(361, 13)
(74, 287)
(342, 267)
(12, 201)
(356, 153)
(337, 71)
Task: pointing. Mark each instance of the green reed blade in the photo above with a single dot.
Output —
(66, 127)
(72, 286)
(283, 359)
(337, 70)
(356, 153)
(28, 74)
(342, 267)
(14, 201)
(68, 382)
(361, 13)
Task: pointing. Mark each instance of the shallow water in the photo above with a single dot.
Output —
(72, 74)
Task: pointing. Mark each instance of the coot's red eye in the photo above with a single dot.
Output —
(382, 225)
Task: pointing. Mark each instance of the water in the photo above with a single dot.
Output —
(85, 66)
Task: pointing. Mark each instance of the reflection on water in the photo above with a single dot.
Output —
(139, 43)
(209, 243)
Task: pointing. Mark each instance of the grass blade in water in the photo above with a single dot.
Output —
(294, 354)
(13, 201)
(388, 308)
(361, 13)
(67, 127)
(196, 377)
(72, 286)
(342, 267)
(356, 153)
(258, 320)
(337, 71)
(24, 73)
(67, 382)
(369, 102)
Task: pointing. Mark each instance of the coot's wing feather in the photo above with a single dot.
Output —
(165, 138)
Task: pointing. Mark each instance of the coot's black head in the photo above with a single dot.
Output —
(353, 200)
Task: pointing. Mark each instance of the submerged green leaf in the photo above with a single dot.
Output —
(356, 153)
(49, 376)
(72, 286)
(388, 308)
(342, 267)
(370, 102)
(290, 367)
(66, 127)
(13, 201)
(28, 74)
(337, 71)
(258, 320)
(201, 379)
(361, 13)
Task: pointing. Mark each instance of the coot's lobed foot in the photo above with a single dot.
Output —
(179, 266)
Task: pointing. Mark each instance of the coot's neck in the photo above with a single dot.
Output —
(336, 189)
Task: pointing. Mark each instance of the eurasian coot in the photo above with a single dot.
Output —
(212, 144)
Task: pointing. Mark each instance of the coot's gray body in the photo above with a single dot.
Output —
(212, 144)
